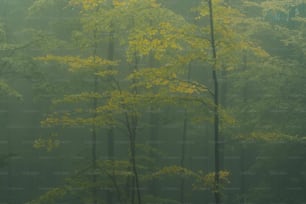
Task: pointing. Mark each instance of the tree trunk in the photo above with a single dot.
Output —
(243, 146)
(110, 155)
(183, 150)
(134, 180)
(217, 194)
(94, 131)
(154, 129)
(132, 123)
(94, 148)
(110, 133)
(222, 103)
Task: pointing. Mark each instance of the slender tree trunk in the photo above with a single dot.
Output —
(217, 194)
(132, 123)
(133, 154)
(94, 148)
(133, 163)
(183, 147)
(10, 170)
(134, 180)
(94, 131)
(223, 103)
(242, 176)
(135, 172)
(243, 147)
(183, 152)
(154, 131)
(110, 155)
(110, 133)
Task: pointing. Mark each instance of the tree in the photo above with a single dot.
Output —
(145, 85)
(216, 104)
(226, 36)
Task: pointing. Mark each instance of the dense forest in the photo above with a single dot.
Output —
(152, 101)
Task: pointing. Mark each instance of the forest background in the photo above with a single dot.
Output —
(108, 101)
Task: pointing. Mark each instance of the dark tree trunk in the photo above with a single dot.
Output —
(183, 154)
(153, 138)
(222, 103)
(134, 180)
(94, 148)
(243, 146)
(217, 194)
(154, 129)
(110, 155)
(94, 131)
(132, 123)
(110, 133)
(183, 150)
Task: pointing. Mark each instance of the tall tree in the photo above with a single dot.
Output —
(120, 100)
(216, 104)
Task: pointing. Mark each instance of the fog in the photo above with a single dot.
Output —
(152, 101)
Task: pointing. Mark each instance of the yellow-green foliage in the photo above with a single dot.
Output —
(86, 4)
(7, 90)
(76, 98)
(67, 119)
(48, 143)
(269, 137)
(38, 5)
(173, 170)
(116, 168)
(50, 197)
(277, 6)
(164, 77)
(201, 180)
(76, 63)
(231, 34)
(208, 180)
